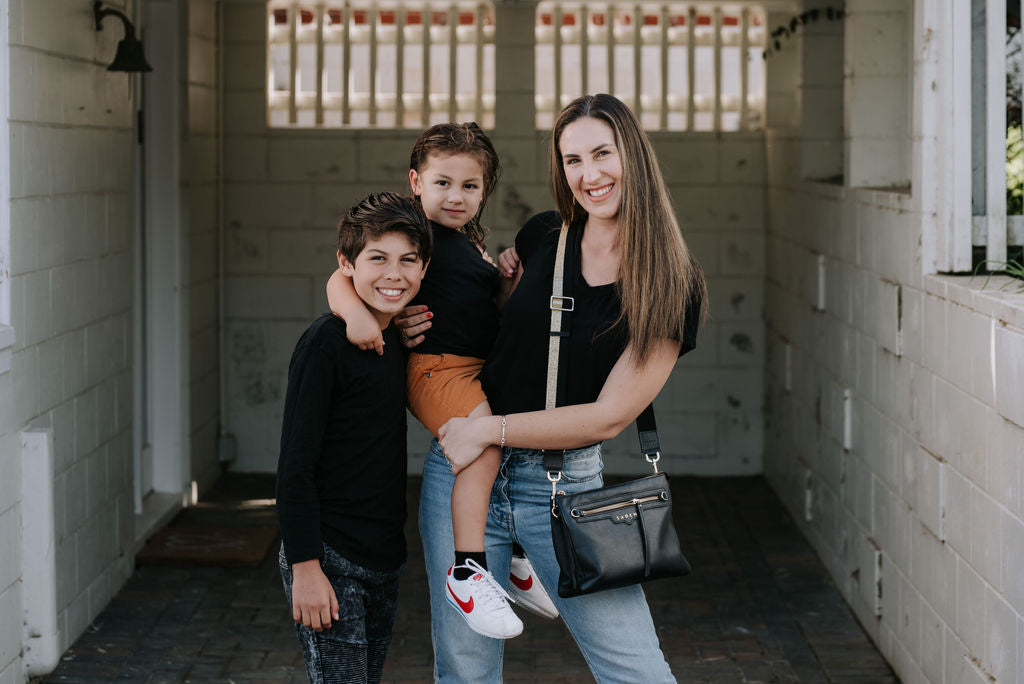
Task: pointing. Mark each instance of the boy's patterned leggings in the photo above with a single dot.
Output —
(353, 649)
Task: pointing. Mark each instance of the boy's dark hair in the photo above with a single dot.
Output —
(380, 213)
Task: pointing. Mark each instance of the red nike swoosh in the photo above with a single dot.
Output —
(523, 584)
(466, 606)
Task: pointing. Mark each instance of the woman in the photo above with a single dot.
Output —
(638, 295)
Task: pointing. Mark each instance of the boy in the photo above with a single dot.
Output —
(342, 469)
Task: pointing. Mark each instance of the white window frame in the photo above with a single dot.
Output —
(691, 33)
(958, 230)
(385, 25)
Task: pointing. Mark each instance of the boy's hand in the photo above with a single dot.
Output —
(364, 333)
(313, 601)
(508, 262)
(361, 327)
(413, 322)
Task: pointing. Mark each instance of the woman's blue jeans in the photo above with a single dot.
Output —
(613, 628)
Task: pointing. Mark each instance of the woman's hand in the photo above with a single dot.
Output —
(413, 322)
(464, 439)
(508, 262)
(313, 601)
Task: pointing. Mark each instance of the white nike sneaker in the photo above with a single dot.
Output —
(526, 589)
(482, 603)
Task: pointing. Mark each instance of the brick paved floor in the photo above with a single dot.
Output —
(758, 607)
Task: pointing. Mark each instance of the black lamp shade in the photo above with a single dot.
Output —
(129, 56)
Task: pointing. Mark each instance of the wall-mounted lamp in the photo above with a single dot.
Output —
(129, 55)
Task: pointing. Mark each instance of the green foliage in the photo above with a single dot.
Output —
(1014, 171)
(1012, 268)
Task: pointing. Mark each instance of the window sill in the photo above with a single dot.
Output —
(1000, 297)
(896, 198)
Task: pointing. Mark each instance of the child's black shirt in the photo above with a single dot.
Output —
(459, 287)
(341, 474)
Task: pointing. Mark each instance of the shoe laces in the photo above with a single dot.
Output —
(486, 589)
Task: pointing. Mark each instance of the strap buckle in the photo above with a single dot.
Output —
(553, 478)
(653, 459)
(560, 303)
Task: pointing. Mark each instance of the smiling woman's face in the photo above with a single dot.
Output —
(592, 166)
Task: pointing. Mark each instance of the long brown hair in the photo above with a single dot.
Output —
(446, 139)
(658, 276)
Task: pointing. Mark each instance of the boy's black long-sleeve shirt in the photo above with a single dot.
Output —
(341, 474)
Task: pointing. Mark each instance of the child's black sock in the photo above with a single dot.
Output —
(461, 557)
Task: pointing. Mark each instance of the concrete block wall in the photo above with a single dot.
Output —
(286, 189)
(877, 67)
(820, 96)
(893, 420)
(67, 364)
(200, 192)
(10, 520)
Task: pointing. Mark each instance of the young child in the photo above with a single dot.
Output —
(453, 170)
(341, 475)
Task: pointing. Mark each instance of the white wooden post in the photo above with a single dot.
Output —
(293, 56)
(995, 139)
(744, 69)
(557, 38)
(321, 14)
(400, 67)
(663, 20)
(428, 22)
(478, 37)
(346, 64)
(373, 17)
(691, 69)
(453, 47)
(638, 42)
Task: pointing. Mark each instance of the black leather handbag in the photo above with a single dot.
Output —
(617, 535)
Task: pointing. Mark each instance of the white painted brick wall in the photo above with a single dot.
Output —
(71, 293)
(941, 428)
(937, 441)
(875, 89)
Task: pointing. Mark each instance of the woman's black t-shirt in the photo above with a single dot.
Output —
(515, 374)
(459, 287)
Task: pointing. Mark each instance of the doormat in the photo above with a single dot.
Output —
(215, 546)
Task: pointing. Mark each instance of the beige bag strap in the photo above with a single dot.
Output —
(646, 427)
(558, 304)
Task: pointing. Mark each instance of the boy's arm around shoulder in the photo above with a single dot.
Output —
(361, 327)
